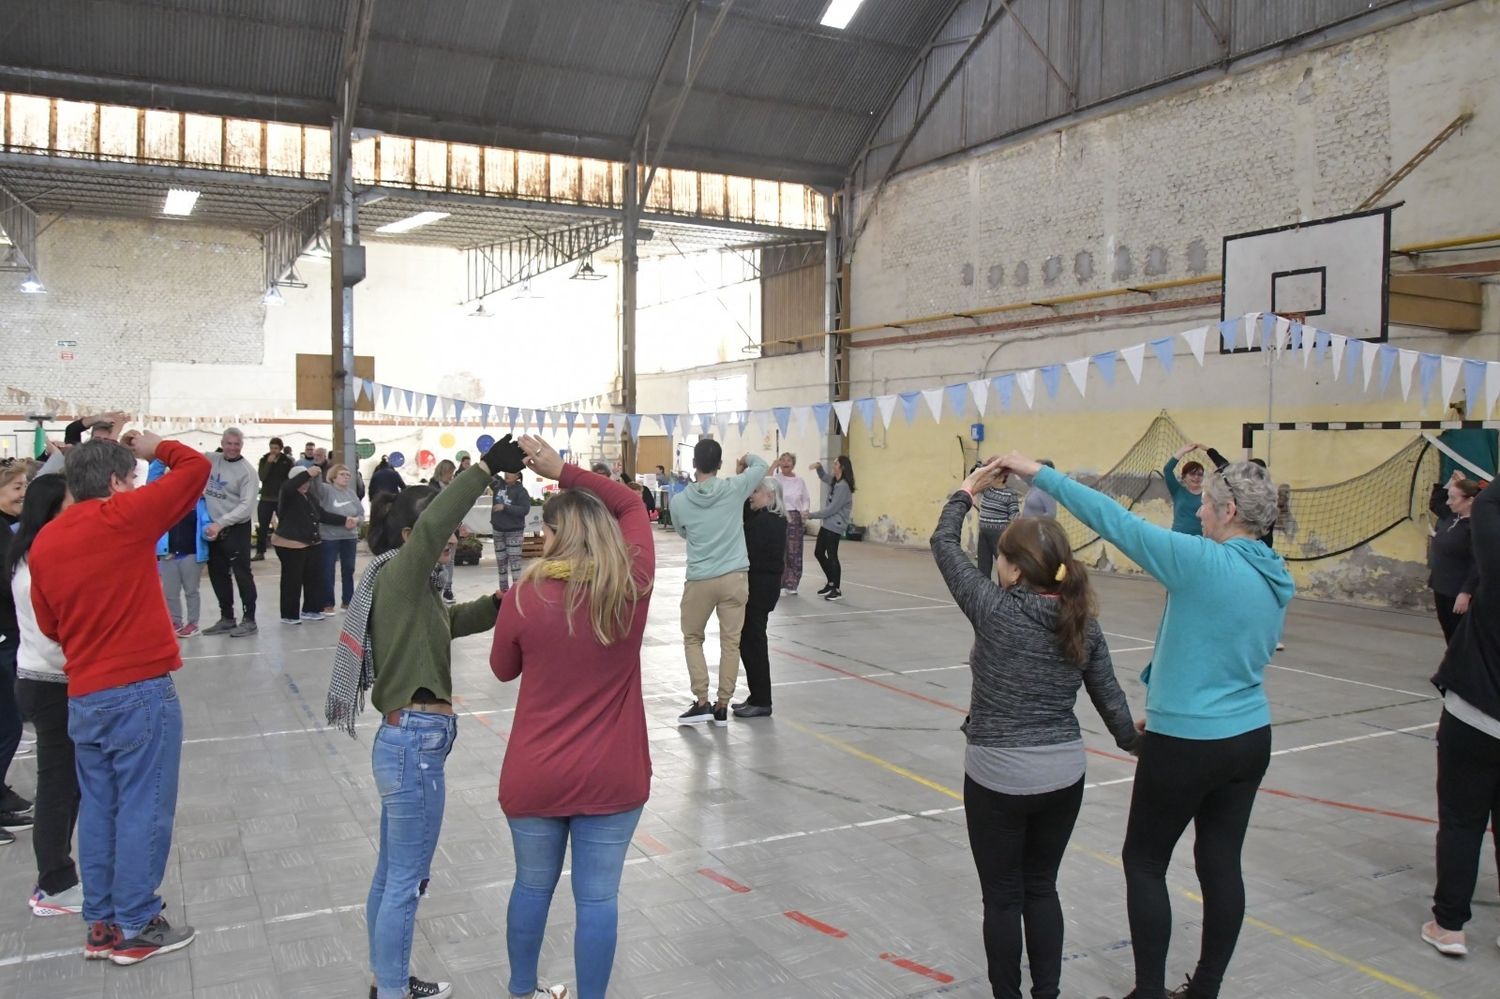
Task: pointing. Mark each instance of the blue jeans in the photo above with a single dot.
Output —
(343, 551)
(408, 763)
(127, 747)
(599, 846)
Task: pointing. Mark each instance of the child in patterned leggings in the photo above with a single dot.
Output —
(508, 521)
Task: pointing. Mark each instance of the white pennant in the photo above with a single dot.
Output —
(1079, 371)
(1134, 358)
(801, 416)
(980, 390)
(844, 408)
(1406, 363)
(934, 400)
(1283, 334)
(1449, 373)
(723, 426)
(1195, 340)
(1309, 336)
(1252, 329)
(887, 406)
(1491, 387)
(1337, 344)
(762, 419)
(1027, 381)
(1367, 357)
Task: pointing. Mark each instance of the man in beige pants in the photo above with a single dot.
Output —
(710, 515)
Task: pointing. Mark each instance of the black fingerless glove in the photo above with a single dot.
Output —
(505, 456)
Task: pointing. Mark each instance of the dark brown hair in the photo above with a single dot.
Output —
(1468, 487)
(1038, 547)
(1192, 468)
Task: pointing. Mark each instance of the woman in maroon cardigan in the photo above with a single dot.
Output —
(577, 765)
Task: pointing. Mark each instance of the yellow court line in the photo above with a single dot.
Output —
(1113, 861)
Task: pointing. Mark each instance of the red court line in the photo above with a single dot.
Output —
(651, 844)
(810, 922)
(921, 969)
(481, 720)
(1099, 752)
(727, 882)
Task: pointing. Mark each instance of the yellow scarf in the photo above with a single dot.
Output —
(559, 569)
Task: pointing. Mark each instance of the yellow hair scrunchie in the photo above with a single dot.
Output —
(1062, 572)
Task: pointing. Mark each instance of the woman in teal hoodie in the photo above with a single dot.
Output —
(1208, 724)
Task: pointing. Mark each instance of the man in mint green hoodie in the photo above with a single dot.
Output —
(709, 513)
(1208, 723)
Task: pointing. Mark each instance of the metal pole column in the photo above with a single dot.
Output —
(835, 362)
(343, 235)
(629, 266)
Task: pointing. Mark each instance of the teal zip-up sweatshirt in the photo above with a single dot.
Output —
(711, 515)
(1226, 605)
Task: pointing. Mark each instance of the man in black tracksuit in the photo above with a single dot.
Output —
(275, 466)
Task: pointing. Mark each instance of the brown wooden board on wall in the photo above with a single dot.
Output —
(315, 381)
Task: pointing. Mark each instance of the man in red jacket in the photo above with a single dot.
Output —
(123, 713)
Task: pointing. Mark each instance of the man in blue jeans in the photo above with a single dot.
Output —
(123, 713)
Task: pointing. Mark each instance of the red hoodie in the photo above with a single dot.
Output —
(94, 581)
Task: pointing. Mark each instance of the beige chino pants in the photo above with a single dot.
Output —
(725, 595)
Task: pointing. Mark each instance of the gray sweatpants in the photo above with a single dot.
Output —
(181, 577)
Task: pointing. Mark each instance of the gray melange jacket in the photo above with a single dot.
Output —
(1024, 686)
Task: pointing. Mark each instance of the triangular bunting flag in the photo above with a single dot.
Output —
(541, 420)
(704, 420)
(385, 397)
(432, 402)
(1449, 372)
(601, 421)
(1387, 365)
(1078, 373)
(369, 389)
(801, 414)
(820, 411)
(359, 389)
(1307, 341)
(1367, 355)
(1427, 368)
(1162, 348)
(867, 412)
(1282, 333)
(1321, 339)
(1195, 341)
(1491, 387)
(1406, 363)
(958, 398)
(668, 423)
(1027, 381)
(1005, 388)
(633, 424)
(515, 416)
(721, 425)
(1474, 387)
(458, 409)
(783, 415)
(484, 414)
(763, 421)
(1135, 360)
(1267, 326)
(909, 402)
(1051, 378)
(980, 391)
(1229, 332)
(408, 395)
(844, 408)
(1337, 345)
(887, 404)
(934, 400)
(741, 419)
(572, 419)
(1105, 362)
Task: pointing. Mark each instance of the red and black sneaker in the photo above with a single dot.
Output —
(101, 942)
(156, 937)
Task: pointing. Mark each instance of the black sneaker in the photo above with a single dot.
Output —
(418, 989)
(834, 594)
(222, 627)
(826, 589)
(10, 801)
(721, 716)
(447, 596)
(696, 714)
(748, 710)
(6, 839)
(14, 821)
(158, 937)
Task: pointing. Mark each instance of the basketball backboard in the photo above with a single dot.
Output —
(1333, 272)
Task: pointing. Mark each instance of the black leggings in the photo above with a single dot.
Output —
(826, 551)
(1211, 783)
(1468, 791)
(765, 590)
(301, 581)
(1447, 619)
(1018, 842)
(45, 704)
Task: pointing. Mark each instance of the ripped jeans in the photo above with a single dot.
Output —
(408, 763)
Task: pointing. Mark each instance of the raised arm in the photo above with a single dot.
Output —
(153, 509)
(1172, 558)
(1104, 690)
(627, 508)
(976, 595)
(745, 482)
(439, 520)
(1169, 476)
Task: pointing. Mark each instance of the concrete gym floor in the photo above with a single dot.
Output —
(821, 852)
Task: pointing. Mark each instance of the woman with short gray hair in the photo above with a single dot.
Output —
(1208, 723)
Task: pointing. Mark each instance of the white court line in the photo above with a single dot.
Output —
(828, 829)
(1135, 648)
(867, 676)
(314, 731)
(254, 652)
(1357, 683)
(1134, 638)
(1355, 738)
(918, 596)
(879, 610)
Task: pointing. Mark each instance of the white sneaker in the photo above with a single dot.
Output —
(312, 615)
(290, 620)
(1450, 942)
(555, 992)
(65, 903)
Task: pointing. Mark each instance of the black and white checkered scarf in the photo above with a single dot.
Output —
(354, 656)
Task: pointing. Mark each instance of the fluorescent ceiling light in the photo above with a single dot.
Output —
(32, 286)
(413, 222)
(273, 296)
(840, 13)
(180, 202)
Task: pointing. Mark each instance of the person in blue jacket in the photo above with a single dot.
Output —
(1207, 730)
(180, 556)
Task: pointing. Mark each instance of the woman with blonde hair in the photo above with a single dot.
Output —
(577, 765)
(342, 494)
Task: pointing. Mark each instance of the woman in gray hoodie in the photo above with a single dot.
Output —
(343, 495)
(835, 517)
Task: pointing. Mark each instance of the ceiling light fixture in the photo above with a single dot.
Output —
(319, 248)
(273, 296)
(481, 313)
(524, 292)
(32, 285)
(412, 222)
(839, 13)
(180, 202)
(586, 272)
